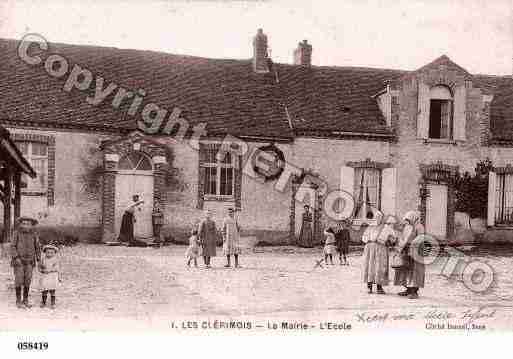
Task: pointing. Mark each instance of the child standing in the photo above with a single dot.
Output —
(329, 245)
(193, 249)
(49, 269)
(342, 238)
(26, 252)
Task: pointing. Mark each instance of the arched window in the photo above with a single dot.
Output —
(135, 161)
(440, 113)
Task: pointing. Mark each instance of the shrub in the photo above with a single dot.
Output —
(472, 190)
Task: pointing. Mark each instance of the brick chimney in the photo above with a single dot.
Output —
(260, 52)
(303, 54)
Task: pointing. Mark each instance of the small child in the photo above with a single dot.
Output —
(49, 269)
(329, 245)
(193, 249)
(342, 238)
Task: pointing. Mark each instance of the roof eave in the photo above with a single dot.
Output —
(17, 156)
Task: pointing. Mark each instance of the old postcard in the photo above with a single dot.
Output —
(256, 166)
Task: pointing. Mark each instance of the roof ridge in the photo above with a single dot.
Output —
(103, 47)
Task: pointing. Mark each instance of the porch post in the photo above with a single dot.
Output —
(6, 238)
(17, 195)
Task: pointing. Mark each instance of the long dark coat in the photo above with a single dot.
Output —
(306, 233)
(207, 233)
(126, 231)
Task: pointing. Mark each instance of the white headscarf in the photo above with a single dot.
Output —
(413, 217)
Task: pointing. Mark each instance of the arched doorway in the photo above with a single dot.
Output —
(135, 177)
(307, 189)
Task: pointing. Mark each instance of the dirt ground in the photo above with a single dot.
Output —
(124, 288)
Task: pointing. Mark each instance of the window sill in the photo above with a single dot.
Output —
(441, 141)
(218, 198)
(34, 193)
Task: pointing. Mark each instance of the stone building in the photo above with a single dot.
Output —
(101, 124)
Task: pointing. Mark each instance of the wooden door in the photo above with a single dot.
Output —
(436, 210)
(128, 185)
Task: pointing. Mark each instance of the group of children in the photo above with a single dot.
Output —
(208, 232)
(26, 253)
(337, 241)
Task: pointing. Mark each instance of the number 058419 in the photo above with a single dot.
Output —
(32, 346)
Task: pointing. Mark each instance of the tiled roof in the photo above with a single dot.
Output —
(501, 107)
(226, 94)
(335, 98)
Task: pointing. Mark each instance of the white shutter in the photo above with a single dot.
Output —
(460, 116)
(491, 198)
(347, 179)
(423, 111)
(388, 191)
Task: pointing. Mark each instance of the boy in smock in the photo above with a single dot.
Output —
(25, 253)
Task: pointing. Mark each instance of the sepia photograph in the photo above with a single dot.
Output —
(255, 168)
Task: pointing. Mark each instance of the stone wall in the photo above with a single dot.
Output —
(410, 151)
(265, 209)
(75, 204)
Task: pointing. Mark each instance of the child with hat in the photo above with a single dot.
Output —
(49, 269)
(25, 253)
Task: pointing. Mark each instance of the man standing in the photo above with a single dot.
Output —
(207, 233)
(231, 235)
(26, 252)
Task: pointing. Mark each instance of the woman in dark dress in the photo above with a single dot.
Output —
(306, 233)
(126, 231)
(207, 234)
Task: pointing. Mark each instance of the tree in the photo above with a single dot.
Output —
(472, 190)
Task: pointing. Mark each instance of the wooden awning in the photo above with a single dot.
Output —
(10, 154)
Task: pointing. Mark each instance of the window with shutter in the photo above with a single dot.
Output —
(423, 111)
(219, 175)
(388, 191)
(440, 113)
(502, 199)
(347, 179)
(460, 114)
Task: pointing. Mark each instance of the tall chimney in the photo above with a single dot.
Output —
(260, 52)
(303, 54)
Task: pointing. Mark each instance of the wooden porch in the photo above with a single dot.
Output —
(12, 166)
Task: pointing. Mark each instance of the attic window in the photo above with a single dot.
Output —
(440, 113)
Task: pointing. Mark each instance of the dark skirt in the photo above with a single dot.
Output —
(343, 247)
(414, 274)
(126, 231)
(306, 235)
